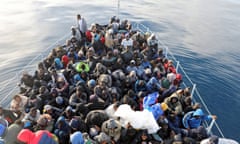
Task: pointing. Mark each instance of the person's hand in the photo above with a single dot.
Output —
(214, 117)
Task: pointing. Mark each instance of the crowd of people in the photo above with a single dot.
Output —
(108, 84)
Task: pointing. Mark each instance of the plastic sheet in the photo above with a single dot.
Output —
(137, 119)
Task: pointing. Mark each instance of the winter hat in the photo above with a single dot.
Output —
(74, 123)
(91, 83)
(112, 128)
(59, 100)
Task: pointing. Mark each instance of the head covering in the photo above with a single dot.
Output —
(91, 83)
(112, 128)
(59, 100)
(69, 108)
(74, 123)
(58, 63)
(47, 107)
(77, 138)
(198, 112)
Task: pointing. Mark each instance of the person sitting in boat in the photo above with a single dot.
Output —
(169, 67)
(62, 86)
(109, 60)
(194, 119)
(153, 42)
(18, 103)
(58, 64)
(174, 104)
(42, 76)
(127, 42)
(59, 103)
(153, 85)
(26, 82)
(118, 65)
(91, 59)
(140, 85)
(69, 113)
(78, 97)
(76, 33)
(32, 116)
(51, 111)
(81, 56)
(72, 55)
(65, 61)
(148, 52)
(131, 67)
(99, 69)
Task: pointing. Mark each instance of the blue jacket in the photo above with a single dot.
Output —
(190, 121)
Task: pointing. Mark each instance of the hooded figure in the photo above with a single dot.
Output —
(174, 104)
(194, 119)
(40, 137)
(65, 60)
(58, 64)
(112, 128)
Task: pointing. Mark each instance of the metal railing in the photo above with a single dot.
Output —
(9, 87)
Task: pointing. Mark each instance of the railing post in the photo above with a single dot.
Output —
(209, 128)
(193, 89)
(177, 66)
(166, 52)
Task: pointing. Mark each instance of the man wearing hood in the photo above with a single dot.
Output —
(194, 119)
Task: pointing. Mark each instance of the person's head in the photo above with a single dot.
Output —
(174, 100)
(33, 112)
(144, 135)
(78, 16)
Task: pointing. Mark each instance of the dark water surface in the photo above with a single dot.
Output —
(204, 36)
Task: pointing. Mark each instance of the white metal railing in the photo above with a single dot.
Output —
(140, 27)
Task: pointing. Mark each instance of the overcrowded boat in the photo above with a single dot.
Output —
(108, 84)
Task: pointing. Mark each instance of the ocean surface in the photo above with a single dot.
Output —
(204, 36)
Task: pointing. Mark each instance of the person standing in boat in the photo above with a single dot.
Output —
(82, 25)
